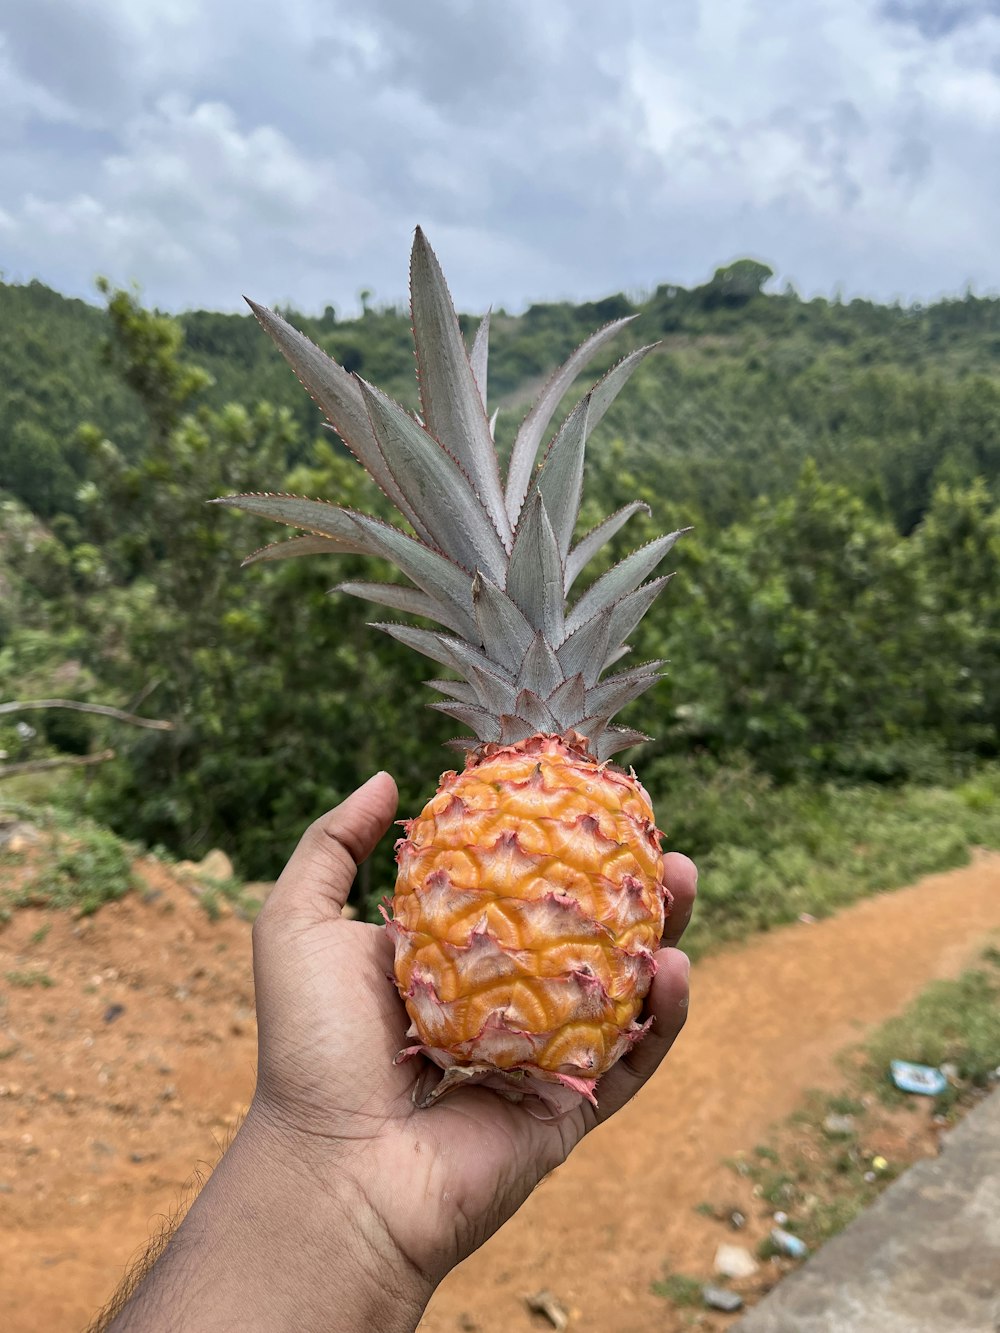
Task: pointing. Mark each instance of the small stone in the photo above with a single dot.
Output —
(734, 1261)
(169, 1093)
(807, 918)
(950, 1071)
(549, 1305)
(6, 1187)
(870, 1177)
(215, 865)
(737, 1220)
(839, 1126)
(140, 1156)
(781, 1219)
(718, 1298)
(113, 1011)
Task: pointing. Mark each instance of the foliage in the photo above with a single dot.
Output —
(679, 1289)
(953, 1022)
(822, 1174)
(78, 865)
(833, 636)
(796, 639)
(767, 852)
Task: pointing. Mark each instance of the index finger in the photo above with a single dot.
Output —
(680, 875)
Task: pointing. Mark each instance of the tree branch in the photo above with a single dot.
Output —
(62, 761)
(105, 710)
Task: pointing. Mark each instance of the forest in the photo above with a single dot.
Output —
(832, 629)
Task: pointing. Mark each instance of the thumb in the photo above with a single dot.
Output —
(319, 875)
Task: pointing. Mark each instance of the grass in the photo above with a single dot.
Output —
(214, 892)
(767, 854)
(28, 979)
(679, 1289)
(823, 1175)
(952, 1023)
(76, 865)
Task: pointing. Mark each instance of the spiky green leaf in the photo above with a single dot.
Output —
(529, 437)
(338, 397)
(588, 546)
(535, 576)
(438, 487)
(452, 407)
(620, 579)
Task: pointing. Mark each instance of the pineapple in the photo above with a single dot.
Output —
(530, 896)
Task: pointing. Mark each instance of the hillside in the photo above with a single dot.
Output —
(746, 386)
(835, 620)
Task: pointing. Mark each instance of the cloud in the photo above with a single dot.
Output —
(939, 18)
(559, 150)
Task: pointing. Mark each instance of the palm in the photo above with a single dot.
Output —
(330, 1025)
(472, 1159)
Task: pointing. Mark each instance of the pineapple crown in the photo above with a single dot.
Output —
(492, 563)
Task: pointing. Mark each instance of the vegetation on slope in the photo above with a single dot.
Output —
(834, 630)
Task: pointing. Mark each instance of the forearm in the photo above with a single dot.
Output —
(267, 1247)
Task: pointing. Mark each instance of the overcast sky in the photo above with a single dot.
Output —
(550, 148)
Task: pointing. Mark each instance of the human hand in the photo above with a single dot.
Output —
(340, 1205)
(330, 1022)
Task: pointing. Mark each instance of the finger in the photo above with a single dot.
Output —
(681, 877)
(321, 870)
(667, 1005)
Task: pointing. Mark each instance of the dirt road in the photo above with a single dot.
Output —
(126, 1072)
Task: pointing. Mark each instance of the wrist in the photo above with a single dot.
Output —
(334, 1228)
(281, 1237)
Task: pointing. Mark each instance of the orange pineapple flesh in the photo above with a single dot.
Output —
(529, 903)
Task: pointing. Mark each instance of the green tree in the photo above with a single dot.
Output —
(958, 546)
(806, 639)
(282, 698)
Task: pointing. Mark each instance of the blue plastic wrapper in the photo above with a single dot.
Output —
(917, 1078)
(793, 1246)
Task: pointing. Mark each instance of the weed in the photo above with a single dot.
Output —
(79, 865)
(29, 979)
(952, 1022)
(822, 1179)
(679, 1289)
(768, 853)
(38, 935)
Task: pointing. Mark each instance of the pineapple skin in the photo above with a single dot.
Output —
(528, 906)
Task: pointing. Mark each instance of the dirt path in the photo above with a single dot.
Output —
(127, 1071)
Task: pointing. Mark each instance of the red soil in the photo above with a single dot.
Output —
(125, 1076)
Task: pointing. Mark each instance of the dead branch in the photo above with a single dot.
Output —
(105, 710)
(62, 761)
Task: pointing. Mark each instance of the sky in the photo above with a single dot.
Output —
(551, 149)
